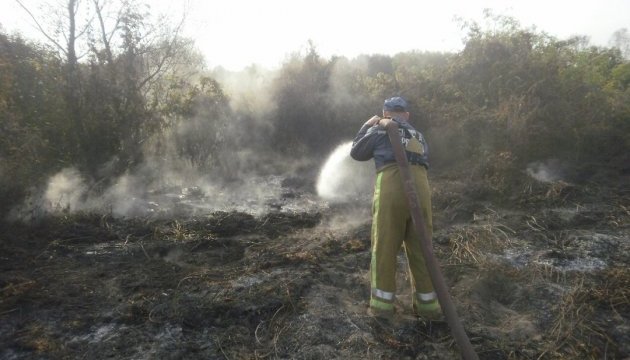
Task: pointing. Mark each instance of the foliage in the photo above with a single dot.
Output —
(301, 97)
(32, 121)
(511, 97)
(512, 90)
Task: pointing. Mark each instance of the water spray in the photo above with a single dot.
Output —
(342, 178)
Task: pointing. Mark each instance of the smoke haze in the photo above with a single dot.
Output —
(162, 195)
(547, 171)
(224, 159)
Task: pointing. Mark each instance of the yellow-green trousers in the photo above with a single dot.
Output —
(392, 227)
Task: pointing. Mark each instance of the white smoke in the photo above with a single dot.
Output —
(121, 198)
(150, 190)
(343, 178)
(65, 192)
(248, 90)
(547, 171)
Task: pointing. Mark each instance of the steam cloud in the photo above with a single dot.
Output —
(162, 195)
(162, 189)
(169, 181)
(64, 192)
(548, 171)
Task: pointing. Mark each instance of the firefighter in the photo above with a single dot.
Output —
(392, 225)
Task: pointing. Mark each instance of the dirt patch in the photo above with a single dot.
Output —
(538, 280)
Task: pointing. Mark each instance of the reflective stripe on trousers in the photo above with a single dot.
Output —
(392, 228)
(426, 297)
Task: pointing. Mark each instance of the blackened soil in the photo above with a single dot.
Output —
(547, 278)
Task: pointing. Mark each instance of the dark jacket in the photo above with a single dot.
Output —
(373, 142)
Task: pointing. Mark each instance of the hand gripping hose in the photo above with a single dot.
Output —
(457, 329)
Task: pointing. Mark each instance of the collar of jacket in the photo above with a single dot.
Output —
(400, 121)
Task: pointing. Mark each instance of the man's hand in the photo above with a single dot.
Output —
(384, 121)
(373, 120)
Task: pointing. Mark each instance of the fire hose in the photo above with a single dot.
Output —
(454, 323)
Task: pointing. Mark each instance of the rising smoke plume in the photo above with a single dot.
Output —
(546, 171)
(223, 160)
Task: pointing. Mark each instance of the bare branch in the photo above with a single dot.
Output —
(108, 52)
(41, 29)
(166, 56)
(86, 28)
(163, 61)
(118, 19)
(83, 54)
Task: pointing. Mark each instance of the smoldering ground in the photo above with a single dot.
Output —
(188, 257)
(548, 280)
(220, 160)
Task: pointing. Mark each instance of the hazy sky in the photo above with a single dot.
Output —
(237, 33)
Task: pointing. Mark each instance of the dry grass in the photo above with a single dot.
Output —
(472, 243)
(275, 287)
(177, 232)
(534, 192)
(581, 325)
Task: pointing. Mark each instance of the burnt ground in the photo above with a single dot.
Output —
(542, 275)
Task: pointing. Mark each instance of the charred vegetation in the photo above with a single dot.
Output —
(152, 208)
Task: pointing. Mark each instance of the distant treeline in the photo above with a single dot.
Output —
(512, 96)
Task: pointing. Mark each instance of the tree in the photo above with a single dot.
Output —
(106, 94)
(32, 116)
(69, 32)
(303, 111)
(621, 40)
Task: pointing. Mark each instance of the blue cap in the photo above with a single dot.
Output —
(396, 104)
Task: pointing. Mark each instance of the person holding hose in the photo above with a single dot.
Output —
(392, 225)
